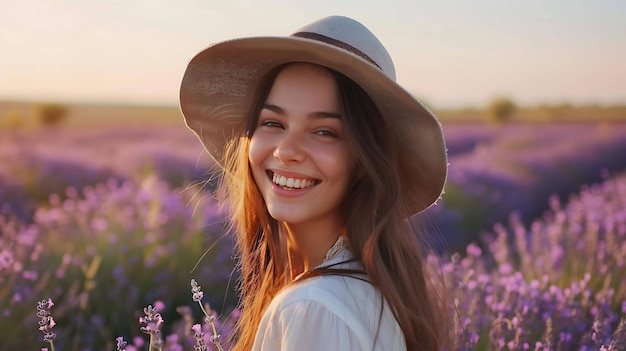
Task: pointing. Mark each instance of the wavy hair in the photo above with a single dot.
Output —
(391, 252)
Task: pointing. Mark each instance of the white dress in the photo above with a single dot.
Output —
(329, 312)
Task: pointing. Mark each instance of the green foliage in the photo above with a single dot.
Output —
(51, 114)
(500, 110)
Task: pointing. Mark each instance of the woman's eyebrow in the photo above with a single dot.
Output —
(316, 114)
(274, 109)
(322, 114)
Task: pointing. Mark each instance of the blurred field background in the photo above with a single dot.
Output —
(106, 209)
(105, 196)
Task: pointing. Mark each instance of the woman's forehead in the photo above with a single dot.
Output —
(304, 89)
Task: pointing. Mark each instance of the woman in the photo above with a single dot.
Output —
(324, 157)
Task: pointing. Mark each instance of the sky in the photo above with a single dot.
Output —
(450, 53)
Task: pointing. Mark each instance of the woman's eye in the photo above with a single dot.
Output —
(326, 132)
(271, 124)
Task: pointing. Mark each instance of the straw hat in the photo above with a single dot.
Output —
(219, 84)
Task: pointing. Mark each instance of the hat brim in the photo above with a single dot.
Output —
(220, 82)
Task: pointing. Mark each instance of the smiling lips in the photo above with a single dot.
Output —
(292, 183)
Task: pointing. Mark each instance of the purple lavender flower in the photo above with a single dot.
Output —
(196, 291)
(46, 322)
(151, 324)
(121, 344)
(199, 336)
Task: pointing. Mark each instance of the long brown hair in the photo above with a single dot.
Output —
(380, 238)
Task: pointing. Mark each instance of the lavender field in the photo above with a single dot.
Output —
(105, 221)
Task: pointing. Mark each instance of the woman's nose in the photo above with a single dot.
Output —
(290, 149)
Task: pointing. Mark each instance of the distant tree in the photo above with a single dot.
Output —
(51, 114)
(13, 119)
(564, 106)
(500, 110)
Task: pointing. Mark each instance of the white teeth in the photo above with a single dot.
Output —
(292, 183)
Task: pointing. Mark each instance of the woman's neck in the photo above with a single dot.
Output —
(307, 245)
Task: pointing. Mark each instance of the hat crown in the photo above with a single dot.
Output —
(356, 36)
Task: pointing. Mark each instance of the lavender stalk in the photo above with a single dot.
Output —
(197, 296)
(47, 322)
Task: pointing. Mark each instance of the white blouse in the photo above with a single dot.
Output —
(329, 312)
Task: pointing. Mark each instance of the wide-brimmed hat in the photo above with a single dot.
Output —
(220, 83)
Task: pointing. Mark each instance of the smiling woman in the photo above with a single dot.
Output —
(324, 158)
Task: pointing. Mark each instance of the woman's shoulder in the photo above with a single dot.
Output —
(334, 290)
(352, 300)
(343, 305)
(327, 290)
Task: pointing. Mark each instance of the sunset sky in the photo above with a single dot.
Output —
(450, 53)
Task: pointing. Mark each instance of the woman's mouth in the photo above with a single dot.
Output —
(291, 183)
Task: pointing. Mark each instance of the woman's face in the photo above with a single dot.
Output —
(299, 154)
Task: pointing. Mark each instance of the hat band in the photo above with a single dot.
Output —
(338, 43)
